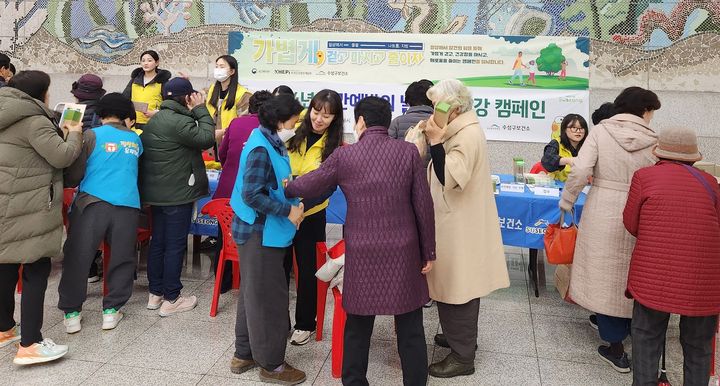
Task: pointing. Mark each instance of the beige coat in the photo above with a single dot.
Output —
(470, 255)
(612, 152)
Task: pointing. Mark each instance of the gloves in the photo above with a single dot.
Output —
(566, 205)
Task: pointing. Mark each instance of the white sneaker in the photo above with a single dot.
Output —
(181, 304)
(72, 322)
(44, 351)
(300, 337)
(154, 302)
(111, 318)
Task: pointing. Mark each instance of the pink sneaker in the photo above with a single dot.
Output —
(181, 304)
(10, 336)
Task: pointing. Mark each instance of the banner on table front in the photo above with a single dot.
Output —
(511, 104)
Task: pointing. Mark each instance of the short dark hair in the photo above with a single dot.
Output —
(602, 113)
(636, 101)
(182, 99)
(33, 83)
(4, 61)
(376, 111)
(12, 68)
(152, 54)
(257, 99)
(570, 118)
(416, 93)
(283, 89)
(278, 109)
(115, 105)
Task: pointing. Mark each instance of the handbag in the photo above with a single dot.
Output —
(416, 136)
(560, 241)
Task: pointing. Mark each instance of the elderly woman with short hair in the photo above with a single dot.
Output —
(470, 255)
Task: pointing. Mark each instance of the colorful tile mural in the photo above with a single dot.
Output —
(112, 32)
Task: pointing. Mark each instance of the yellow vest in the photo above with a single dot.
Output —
(300, 118)
(150, 94)
(226, 116)
(303, 162)
(562, 174)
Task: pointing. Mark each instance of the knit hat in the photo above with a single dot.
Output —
(88, 87)
(678, 144)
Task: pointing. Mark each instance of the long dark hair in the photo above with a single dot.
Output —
(332, 103)
(232, 88)
(570, 118)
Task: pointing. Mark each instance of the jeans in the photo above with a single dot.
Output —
(613, 329)
(170, 228)
(648, 333)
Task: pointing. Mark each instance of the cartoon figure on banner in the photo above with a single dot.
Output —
(555, 128)
(532, 70)
(518, 66)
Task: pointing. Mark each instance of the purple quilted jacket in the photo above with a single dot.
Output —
(390, 225)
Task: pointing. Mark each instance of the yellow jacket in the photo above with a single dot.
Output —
(562, 174)
(151, 93)
(242, 97)
(303, 161)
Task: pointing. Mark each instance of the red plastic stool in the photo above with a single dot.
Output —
(220, 209)
(19, 282)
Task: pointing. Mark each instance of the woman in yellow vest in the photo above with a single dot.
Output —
(320, 133)
(226, 99)
(145, 87)
(560, 154)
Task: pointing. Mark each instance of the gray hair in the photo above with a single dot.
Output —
(452, 92)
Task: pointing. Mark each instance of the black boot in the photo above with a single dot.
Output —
(451, 367)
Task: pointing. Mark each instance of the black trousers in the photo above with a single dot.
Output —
(226, 283)
(312, 231)
(88, 228)
(34, 278)
(459, 323)
(410, 341)
(648, 333)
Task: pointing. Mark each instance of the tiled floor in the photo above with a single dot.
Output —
(522, 340)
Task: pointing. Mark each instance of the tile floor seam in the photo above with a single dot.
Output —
(219, 358)
(134, 340)
(327, 358)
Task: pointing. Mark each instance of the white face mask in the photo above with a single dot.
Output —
(285, 135)
(221, 74)
(355, 133)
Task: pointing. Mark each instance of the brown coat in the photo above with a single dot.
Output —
(612, 152)
(32, 155)
(470, 254)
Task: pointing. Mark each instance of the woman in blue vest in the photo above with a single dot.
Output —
(263, 227)
(107, 206)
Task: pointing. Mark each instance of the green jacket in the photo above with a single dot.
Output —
(32, 156)
(172, 170)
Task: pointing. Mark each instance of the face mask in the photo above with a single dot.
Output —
(285, 135)
(221, 74)
(355, 133)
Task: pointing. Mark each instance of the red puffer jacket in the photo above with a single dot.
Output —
(675, 266)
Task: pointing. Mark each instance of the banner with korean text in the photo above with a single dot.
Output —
(522, 86)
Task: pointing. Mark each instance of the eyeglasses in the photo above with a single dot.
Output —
(576, 129)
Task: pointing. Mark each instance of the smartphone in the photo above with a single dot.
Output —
(441, 115)
(141, 107)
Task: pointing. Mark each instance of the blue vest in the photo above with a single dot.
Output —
(278, 231)
(111, 173)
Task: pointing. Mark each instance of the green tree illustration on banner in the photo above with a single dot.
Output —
(550, 59)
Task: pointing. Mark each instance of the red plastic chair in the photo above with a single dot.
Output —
(220, 209)
(19, 282)
(322, 287)
(538, 168)
(338, 334)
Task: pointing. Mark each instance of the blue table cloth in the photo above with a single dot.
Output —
(523, 216)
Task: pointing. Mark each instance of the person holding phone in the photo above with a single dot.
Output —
(470, 254)
(172, 178)
(145, 87)
(33, 154)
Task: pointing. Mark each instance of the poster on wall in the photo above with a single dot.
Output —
(522, 86)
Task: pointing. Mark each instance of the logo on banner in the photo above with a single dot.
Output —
(538, 228)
